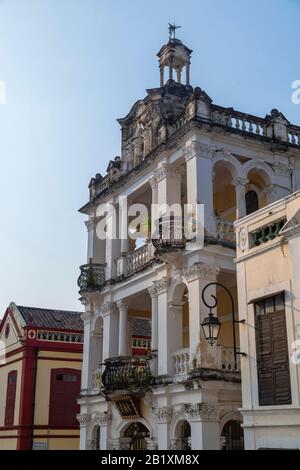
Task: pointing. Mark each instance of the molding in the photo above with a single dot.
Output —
(201, 411)
(165, 171)
(201, 271)
(239, 181)
(163, 414)
(86, 317)
(103, 419)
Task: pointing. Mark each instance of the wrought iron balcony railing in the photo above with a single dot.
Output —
(92, 277)
(169, 234)
(125, 373)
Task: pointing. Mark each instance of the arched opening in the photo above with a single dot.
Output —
(224, 200)
(252, 201)
(232, 436)
(183, 435)
(137, 434)
(94, 443)
(179, 329)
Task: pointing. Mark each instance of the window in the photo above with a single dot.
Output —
(10, 398)
(274, 385)
(252, 203)
(64, 391)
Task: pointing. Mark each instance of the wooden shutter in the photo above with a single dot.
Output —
(10, 398)
(64, 391)
(272, 352)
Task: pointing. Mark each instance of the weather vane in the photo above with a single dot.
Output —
(172, 30)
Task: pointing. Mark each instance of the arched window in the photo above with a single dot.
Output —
(138, 434)
(185, 436)
(10, 398)
(232, 436)
(252, 203)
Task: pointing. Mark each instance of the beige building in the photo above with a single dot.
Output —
(268, 274)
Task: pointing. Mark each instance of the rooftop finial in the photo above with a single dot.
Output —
(172, 30)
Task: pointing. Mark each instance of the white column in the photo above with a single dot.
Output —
(240, 194)
(123, 223)
(198, 277)
(113, 244)
(86, 366)
(154, 203)
(204, 421)
(123, 333)
(84, 422)
(168, 184)
(164, 415)
(199, 173)
(110, 330)
(154, 328)
(104, 421)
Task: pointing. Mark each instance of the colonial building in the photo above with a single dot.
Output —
(40, 373)
(177, 147)
(268, 273)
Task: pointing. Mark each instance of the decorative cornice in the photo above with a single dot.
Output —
(201, 271)
(83, 419)
(163, 414)
(102, 419)
(197, 149)
(159, 287)
(108, 308)
(201, 411)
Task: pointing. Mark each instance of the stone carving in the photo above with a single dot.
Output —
(159, 287)
(83, 419)
(281, 169)
(86, 317)
(239, 181)
(166, 170)
(195, 149)
(152, 443)
(102, 419)
(163, 414)
(201, 271)
(108, 308)
(202, 411)
(174, 444)
(243, 238)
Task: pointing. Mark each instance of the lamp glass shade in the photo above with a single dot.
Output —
(211, 328)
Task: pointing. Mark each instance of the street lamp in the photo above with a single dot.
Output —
(211, 325)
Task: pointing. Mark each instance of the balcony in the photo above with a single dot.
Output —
(169, 235)
(136, 260)
(181, 363)
(126, 373)
(92, 277)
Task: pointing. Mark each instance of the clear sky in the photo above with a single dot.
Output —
(71, 68)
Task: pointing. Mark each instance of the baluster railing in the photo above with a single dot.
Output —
(181, 361)
(122, 373)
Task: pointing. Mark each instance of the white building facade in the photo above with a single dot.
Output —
(177, 148)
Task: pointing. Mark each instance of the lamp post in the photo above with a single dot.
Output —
(211, 325)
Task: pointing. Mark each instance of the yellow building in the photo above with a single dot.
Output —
(268, 273)
(40, 375)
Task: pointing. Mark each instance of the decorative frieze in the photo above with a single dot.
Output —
(201, 412)
(163, 414)
(84, 419)
(159, 287)
(201, 271)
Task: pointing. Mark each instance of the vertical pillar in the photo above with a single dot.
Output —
(178, 71)
(96, 247)
(104, 421)
(171, 69)
(204, 421)
(110, 330)
(84, 421)
(164, 415)
(188, 73)
(154, 329)
(112, 240)
(240, 191)
(86, 366)
(123, 216)
(154, 203)
(123, 333)
(199, 172)
(161, 71)
(198, 276)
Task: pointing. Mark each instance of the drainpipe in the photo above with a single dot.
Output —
(36, 352)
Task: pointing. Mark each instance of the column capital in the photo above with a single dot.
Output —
(239, 181)
(166, 170)
(108, 308)
(86, 317)
(159, 287)
(201, 412)
(83, 419)
(122, 304)
(103, 419)
(91, 223)
(163, 414)
(201, 271)
(153, 182)
(198, 149)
